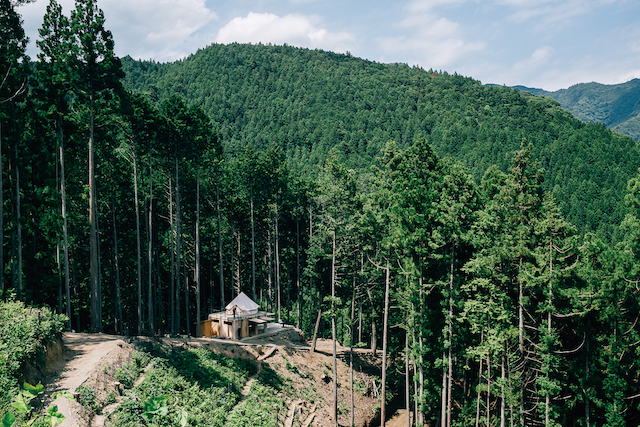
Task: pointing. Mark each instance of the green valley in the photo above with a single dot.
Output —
(480, 244)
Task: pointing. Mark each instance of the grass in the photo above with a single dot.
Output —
(198, 388)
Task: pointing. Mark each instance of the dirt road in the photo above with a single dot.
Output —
(83, 354)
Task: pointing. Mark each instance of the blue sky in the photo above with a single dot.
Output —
(549, 44)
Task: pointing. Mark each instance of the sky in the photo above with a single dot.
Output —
(547, 44)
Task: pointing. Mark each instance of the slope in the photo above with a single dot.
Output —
(617, 106)
(310, 102)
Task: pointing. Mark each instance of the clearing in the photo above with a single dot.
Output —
(88, 364)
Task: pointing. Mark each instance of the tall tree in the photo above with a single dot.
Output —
(13, 83)
(53, 73)
(96, 70)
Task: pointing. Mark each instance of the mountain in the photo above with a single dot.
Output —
(617, 106)
(310, 102)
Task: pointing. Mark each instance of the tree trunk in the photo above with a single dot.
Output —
(360, 321)
(277, 255)
(173, 258)
(299, 322)
(450, 338)
(315, 331)
(253, 246)
(236, 262)
(150, 249)
(407, 387)
(333, 331)
(270, 293)
(353, 298)
(197, 272)
(587, 409)
(2, 219)
(96, 320)
(385, 328)
(138, 245)
(220, 261)
(65, 239)
(488, 408)
(75, 292)
(116, 264)
(502, 395)
(443, 393)
(178, 246)
(374, 339)
(478, 398)
(18, 221)
(547, 402)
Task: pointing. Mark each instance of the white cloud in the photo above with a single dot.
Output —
(158, 29)
(298, 30)
(436, 42)
(538, 58)
(427, 5)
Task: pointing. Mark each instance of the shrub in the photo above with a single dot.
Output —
(24, 333)
(87, 397)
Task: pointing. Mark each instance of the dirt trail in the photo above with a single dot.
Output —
(82, 355)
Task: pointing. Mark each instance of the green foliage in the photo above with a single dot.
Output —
(87, 397)
(126, 376)
(197, 387)
(262, 408)
(24, 332)
(21, 408)
(614, 105)
(310, 102)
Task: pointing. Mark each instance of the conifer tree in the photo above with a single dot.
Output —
(337, 203)
(53, 74)
(14, 70)
(96, 70)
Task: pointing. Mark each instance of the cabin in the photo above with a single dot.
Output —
(241, 318)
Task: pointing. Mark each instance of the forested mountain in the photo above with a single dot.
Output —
(617, 106)
(415, 212)
(309, 101)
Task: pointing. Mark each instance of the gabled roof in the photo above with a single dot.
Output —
(243, 302)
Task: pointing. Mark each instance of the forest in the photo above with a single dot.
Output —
(616, 106)
(483, 239)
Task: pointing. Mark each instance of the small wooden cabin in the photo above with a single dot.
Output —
(242, 318)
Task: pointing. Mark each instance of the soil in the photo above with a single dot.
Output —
(91, 360)
(85, 359)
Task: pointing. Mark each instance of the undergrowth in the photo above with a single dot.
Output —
(24, 333)
(197, 387)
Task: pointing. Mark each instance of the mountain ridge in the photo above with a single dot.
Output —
(617, 105)
(310, 102)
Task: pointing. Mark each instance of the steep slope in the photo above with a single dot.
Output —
(617, 106)
(310, 101)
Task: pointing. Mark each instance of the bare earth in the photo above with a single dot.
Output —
(83, 355)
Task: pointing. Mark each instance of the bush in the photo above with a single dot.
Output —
(87, 397)
(24, 333)
(196, 387)
(125, 376)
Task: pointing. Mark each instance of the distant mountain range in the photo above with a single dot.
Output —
(617, 106)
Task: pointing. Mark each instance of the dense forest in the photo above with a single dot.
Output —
(482, 238)
(617, 106)
(308, 102)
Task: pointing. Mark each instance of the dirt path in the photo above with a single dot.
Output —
(82, 355)
(399, 419)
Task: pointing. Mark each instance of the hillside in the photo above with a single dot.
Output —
(310, 101)
(617, 106)
(258, 382)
